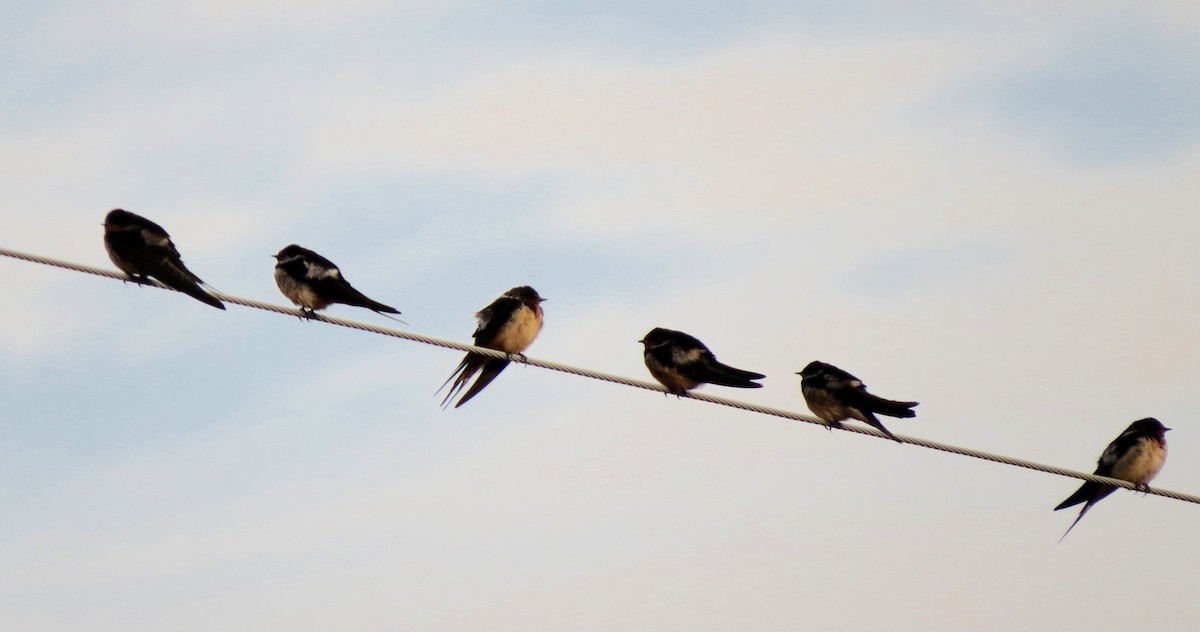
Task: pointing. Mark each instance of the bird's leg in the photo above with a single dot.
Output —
(518, 357)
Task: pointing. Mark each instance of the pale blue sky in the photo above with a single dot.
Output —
(987, 207)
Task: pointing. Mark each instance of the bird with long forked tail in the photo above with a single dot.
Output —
(509, 324)
(141, 248)
(1137, 456)
(681, 363)
(313, 282)
(835, 396)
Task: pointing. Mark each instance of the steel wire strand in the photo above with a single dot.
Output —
(616, 379)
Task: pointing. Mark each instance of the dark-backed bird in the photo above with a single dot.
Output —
(313, 282)
(681, 363)
(1137, 455)
(510, 324)
(834, 395)
(141, 248)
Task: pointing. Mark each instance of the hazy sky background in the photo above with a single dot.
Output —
(990, 208)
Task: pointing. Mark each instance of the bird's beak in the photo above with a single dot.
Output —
(1165, 429)
(643, 341)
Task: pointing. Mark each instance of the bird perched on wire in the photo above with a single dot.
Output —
(141, 248)
(1137, 455)
(510, 324)
(681, 363)
(313, 282)
(834, 395)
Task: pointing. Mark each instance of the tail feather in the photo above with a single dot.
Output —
(342, 292)
(871, 419)
(487, 368)
(749, 375)
(380, 308)
(891, 408)
(491, 368)
(461, 375)
(179, 278)
(1077, 519)
(1086, 492)
(362, 301)
(1089, 492)
(724, 375)
(402, 322)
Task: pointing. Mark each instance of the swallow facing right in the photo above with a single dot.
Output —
(510, 324)
(141, 248)
(834, 395)
(681, 363)
(1136, 456)
(313, 282)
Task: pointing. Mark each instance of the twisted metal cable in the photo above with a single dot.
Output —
(616, 379)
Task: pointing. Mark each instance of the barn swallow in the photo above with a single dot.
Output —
(313, 282)
(681, 363)
(509, 324)
(834, 395)
(1136, 456)
(141, 248)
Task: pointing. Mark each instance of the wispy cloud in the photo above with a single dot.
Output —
(847, 183)
(1119, 98)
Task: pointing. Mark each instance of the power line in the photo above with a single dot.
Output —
(616, 379)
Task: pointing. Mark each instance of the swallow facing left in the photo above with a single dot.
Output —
(834, 395)
(1136, 456)
(141, 248)
(681, 363)
(313, 282)
(510, 324)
